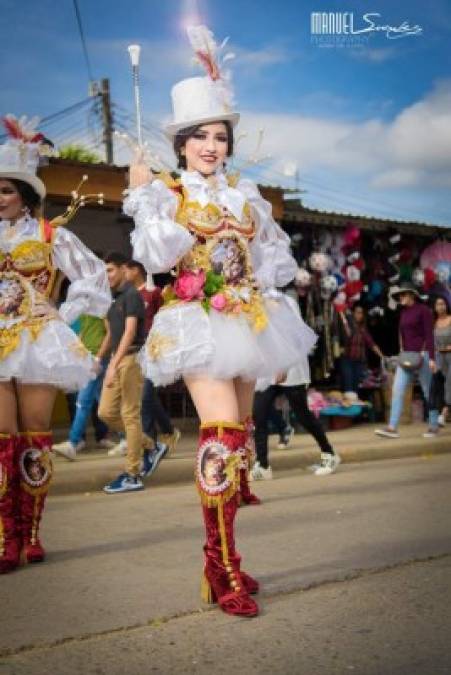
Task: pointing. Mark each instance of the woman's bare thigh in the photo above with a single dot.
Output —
(35, 403)
(8, 408)
(214, 400)
(245, 397)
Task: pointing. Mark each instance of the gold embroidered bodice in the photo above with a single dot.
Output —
(27, 275)
(221, 251)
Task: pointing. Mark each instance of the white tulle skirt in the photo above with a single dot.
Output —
(185, 340)
(57, 357)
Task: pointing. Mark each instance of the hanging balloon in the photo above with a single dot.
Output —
(442, 271)
(319, 262)
(351, 236)
(430, 278)
(340, 279)
(340, 302)
(328, 286)
(352, 273)
(303, 278)
(418, 277)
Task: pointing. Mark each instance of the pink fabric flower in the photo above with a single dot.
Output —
(189, 285)
(218, 301)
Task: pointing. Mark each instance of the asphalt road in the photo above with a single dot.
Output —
(355, 571)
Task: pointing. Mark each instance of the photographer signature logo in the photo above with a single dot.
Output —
(342, 24)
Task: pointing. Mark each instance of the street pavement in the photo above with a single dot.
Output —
(355, 571)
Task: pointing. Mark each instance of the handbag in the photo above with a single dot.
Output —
(410, 360)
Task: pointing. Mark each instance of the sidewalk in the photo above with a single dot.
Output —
(93, 468)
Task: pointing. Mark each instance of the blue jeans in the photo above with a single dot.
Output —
(402, 379)
(86, 398)
(352, 374)
(153, 412)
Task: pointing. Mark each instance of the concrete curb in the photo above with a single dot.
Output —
(93, 470)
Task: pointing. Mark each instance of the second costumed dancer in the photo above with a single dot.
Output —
(38, 351)
(220, 328)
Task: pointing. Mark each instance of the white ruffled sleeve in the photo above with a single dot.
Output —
(89, 291)
(274, 266)
(158, 241)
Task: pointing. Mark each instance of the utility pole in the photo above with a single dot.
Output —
(107, 120)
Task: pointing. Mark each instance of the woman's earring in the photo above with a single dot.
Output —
(26, 211)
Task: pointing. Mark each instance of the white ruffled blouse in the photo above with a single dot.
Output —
(159, 241)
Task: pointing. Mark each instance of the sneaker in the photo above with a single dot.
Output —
(119, 450)
(387, 433)
(285, 438)
(327, 465)
(441, 420)
(152, 458)
(171, 440)
(105, 444)
(124, 483)
(259, 473)
(432, 432)
(68, 450)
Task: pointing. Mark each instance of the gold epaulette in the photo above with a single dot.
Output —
(233, 178)
(167, 178)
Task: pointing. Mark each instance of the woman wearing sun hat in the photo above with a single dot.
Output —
(38, 350)
(417, 353)
(223, 323)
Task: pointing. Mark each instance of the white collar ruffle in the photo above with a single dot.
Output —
(213, 190)
(22, 226)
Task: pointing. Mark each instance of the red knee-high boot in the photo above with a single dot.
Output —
(248, 453)
(217, 476)
(35, 467)
(9, 494)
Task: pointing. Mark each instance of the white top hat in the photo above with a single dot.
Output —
(19, 156)
(200, 100)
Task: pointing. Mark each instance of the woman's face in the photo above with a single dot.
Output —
(11, 205)
(440, 307)
(206, 150)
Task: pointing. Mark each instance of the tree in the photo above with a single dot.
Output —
(79, 153)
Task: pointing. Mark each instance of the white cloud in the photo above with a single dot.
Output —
(412, 149)
(373, 55)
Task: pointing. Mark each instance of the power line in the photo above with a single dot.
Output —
(66, 111)
(83, 41)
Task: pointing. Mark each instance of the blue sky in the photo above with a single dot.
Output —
(368, 126)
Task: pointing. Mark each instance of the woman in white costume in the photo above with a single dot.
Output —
(219, 328)
(38, 350)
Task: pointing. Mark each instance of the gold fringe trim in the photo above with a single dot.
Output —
(220, 425)
(213, 501)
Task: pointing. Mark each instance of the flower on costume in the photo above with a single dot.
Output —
(190, 285)
(218, 301)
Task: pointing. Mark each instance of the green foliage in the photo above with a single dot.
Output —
(213, 283)
(78, 153)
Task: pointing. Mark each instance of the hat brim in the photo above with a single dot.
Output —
(35, 182)
(172, 130)
(396, 294)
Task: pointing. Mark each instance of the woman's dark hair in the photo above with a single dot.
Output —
(183, 135)
(28, 195)
(445, 300)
